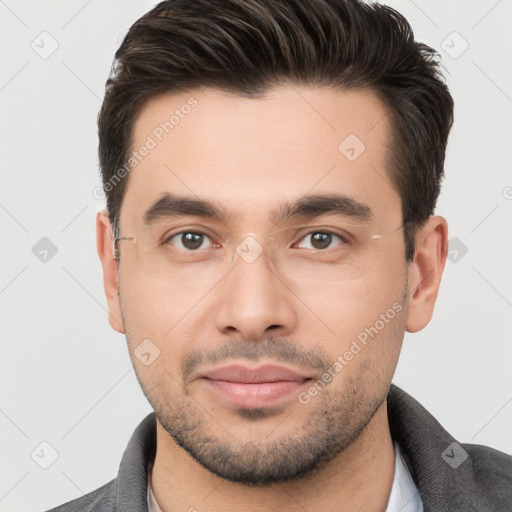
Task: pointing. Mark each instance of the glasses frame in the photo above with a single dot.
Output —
(117, 237)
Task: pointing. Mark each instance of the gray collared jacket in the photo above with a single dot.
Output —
(450, 477)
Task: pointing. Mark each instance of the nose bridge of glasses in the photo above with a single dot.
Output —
(250, 246)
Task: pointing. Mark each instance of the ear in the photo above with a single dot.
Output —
(105, 246)
(425, 272)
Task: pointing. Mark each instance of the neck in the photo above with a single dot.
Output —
(359, 478)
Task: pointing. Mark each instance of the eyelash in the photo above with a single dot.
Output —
(167, 240)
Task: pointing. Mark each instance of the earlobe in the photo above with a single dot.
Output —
(425, 272)
(104, 244)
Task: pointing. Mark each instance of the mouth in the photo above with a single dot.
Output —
(258, 387)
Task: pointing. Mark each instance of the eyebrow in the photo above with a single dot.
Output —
(304, 208)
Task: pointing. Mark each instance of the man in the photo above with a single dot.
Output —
(271, 170)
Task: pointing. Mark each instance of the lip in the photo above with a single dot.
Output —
(258, 387)
(247, 375)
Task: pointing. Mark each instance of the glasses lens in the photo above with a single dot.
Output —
(305, 254)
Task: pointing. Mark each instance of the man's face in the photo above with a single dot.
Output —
(221, 333)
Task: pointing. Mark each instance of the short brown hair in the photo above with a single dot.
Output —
(248, 46)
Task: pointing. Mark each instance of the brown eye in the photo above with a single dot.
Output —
(320, 240)
(189, 240)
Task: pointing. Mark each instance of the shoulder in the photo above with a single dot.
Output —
(100, 500)
(450, 476)
(492, 469)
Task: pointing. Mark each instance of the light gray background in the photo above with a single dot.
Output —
(66, 377)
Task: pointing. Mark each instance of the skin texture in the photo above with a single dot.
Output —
(250, 155)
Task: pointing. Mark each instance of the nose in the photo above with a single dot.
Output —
(253, 301)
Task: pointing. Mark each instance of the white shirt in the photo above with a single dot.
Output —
(404, 495)
(153, 505)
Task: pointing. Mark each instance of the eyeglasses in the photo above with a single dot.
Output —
(306, 253)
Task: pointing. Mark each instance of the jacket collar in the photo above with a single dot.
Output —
(422, 440)
(132, 479)
(449, 476)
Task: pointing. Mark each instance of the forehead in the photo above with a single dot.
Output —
(252, 154)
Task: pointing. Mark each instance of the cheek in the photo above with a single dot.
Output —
(357, 303)
(363, 319)
(156, 306)
(165, 315)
